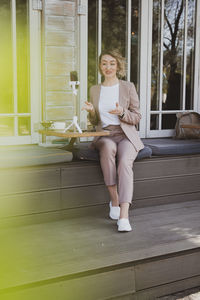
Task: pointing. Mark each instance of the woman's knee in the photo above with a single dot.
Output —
(125, 163)
(107, 147)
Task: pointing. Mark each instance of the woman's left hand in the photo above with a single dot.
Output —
(117, 111)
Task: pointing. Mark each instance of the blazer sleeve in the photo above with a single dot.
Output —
(132, 114)
(92, 118)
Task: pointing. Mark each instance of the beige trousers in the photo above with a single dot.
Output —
(117, 155)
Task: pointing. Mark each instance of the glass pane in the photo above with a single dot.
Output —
(135, 43)
(190, 54)
(154, 122)
(22, 29)
(114, 25)
(168, 121)
(173, 48)
(7, 127)
(24, 126)
(155, 72)
(6, 62)
(92, 43)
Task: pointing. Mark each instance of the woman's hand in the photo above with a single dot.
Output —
(88, 107)
(118, 111)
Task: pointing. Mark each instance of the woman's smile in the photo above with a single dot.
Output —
(109, 72)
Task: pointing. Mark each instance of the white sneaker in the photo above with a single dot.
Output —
(124, 225)
(114, 212)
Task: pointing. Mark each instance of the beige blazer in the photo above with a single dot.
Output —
(128, 99)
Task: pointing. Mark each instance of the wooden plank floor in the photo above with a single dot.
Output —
(77, 247)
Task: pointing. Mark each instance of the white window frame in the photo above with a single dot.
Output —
(197, 61)
(35, 78)
(145, 64)
(83, 59)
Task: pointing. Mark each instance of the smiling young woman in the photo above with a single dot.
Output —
(114, 106)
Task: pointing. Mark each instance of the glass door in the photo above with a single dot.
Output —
(173, 63)
(158, 39)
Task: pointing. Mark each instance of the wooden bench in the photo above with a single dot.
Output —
(51, 191)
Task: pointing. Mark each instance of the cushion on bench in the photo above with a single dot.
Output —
(83, 152)
(170, 146)
(32, 155)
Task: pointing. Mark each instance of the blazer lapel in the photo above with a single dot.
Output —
(122, 98)
(96, 97)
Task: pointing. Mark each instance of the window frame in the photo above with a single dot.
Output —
(145, 56)
(35, 78)
(82, 23)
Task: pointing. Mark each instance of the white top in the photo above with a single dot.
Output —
(109, 96)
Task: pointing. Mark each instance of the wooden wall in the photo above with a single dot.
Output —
(59, 58)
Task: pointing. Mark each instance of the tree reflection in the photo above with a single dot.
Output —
(92, 43)
(114, 25)
(173, 53)
(173, 48)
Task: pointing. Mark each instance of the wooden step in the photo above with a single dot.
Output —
(86, 258)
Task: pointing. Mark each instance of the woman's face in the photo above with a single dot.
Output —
(108, 66)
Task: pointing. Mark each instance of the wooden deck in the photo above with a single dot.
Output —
(57, 241)
(86, 258)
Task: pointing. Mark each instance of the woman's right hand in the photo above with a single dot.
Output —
(88, 107)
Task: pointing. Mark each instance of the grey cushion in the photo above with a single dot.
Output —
(170, 146)
(84, 152)
(31, 155)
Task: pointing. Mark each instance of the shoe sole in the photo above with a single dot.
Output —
(113, 218)
(124, 230)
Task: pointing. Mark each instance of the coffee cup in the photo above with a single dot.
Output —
(58, 125)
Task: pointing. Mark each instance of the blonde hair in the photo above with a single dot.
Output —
(121, 62)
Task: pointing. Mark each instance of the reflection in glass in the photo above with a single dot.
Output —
(168, 121)
(6, 62)
(114, 25)
(6, 126)
(135, 43)
(155, 72)
(113, 32)
(92, 43)
(154, 125)
(173, 50)
(190, 54)
(22, 31)
(24, 126)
